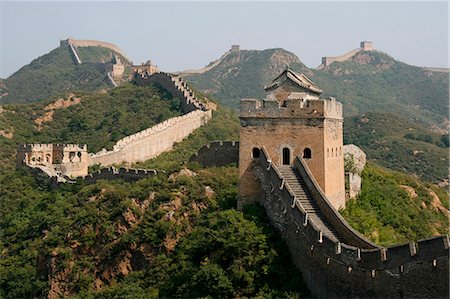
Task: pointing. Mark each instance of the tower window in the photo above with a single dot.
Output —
(286, 156)
(256, 152)
(307, 153)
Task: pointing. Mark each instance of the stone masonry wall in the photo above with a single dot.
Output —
(92, 43)
(217, 153)
(112, 173)
(153, 141)
(316, 126)
(176, 86)
(331, 269)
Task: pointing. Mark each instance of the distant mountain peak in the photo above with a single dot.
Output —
(277, 59)
(365, 46)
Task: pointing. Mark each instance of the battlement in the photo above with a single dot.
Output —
(113, 173)
(364, 46)
(63, 159)
(292, 108)
(349, 266)
(121, 143)
(217, 153)
(153, 141)
(176, 86)
(91, 43)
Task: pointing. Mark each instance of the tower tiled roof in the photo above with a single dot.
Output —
(297, 78)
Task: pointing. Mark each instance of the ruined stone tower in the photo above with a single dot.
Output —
(293, 121)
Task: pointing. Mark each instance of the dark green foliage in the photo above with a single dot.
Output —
(99, 120)
(399, 144)
(370, 81)
(223, 126)
(171, 237)
(387, 214)
(56, 73)
(89, 228)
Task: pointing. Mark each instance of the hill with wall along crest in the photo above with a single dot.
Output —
(368, 82)
(56, 73)
(164, 236)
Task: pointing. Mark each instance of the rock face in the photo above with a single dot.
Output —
(355, 161)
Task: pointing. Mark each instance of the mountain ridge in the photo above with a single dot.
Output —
(61, 71)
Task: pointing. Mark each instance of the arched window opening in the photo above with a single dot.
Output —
(286, 156)
(256, 152)
(328, 152)
(307, 153)
(332, 152)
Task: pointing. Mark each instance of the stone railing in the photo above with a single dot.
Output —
(337, 269)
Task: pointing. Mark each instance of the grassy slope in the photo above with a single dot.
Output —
(399, 144)
(175, 239)
(99, 120)
(371, 82)
(375, 82)
(56, 74)
(244, 74)
(387, 214)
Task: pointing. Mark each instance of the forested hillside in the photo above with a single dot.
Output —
(55, 73)
(369, 83)
(399, 144)
(173, 235)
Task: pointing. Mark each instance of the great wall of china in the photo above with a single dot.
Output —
(335, 260)
(73, 160)
(365, 46)
(72, 43)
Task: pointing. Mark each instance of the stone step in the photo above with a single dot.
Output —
(300, 190)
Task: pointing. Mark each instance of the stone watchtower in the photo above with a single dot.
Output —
(293, 121)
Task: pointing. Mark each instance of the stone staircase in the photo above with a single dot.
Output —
(298, 186)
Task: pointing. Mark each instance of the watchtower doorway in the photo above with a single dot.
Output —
(286, 156)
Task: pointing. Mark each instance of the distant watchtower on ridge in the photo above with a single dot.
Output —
(293, 121)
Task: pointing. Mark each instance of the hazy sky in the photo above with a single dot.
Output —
(188, 35)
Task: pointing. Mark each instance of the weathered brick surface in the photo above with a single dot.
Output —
(336, 270)
(217, 153)
(312, 124)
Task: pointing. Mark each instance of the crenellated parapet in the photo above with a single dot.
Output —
(348, 265)
(152, 141)
(299, 108)
(217, 153)
(175, 85)
(65, 159)
(364, 46)
(112, 173)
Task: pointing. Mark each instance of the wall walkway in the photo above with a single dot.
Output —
(348, 265)
(155, 140)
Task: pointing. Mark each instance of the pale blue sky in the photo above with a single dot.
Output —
(188, 35)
